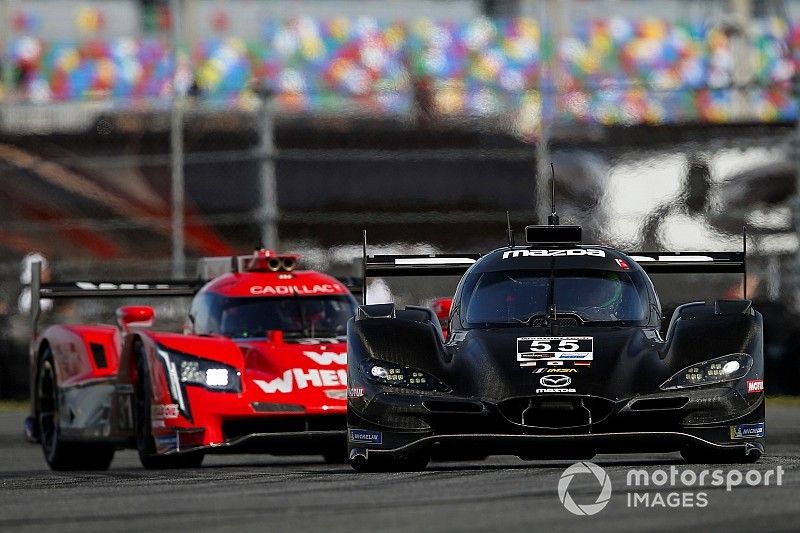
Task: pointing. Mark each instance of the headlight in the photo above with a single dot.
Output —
(719, 370)
(204, 372)
(401, 376)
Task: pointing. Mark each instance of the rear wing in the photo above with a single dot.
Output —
(651, 262)
(691, 262)
(103, 289)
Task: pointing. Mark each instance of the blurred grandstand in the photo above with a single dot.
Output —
(671, 124)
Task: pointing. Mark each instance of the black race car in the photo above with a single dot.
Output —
(554, 351)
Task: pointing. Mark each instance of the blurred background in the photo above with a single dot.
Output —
(137, 136)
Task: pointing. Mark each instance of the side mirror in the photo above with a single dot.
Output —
(135, 316)
(275, 336)
(442, 308)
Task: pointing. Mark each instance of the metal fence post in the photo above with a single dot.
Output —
(176, 149)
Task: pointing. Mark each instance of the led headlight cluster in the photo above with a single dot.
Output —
(204, 372)
(401, 376)
(719, 370)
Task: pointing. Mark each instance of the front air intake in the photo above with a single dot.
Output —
(556, 413)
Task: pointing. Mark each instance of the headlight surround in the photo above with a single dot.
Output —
(719, 370)
(206, 373)
(401, 376)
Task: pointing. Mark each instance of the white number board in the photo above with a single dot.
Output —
(555, 348)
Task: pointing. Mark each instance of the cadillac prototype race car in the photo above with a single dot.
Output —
(554, 350)
(260, 368)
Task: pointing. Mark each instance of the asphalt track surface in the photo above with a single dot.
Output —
(263, 493)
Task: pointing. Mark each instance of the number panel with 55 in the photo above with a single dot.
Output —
(555, 348)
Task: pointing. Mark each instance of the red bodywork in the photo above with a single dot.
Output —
(442, 307)
(291, 396)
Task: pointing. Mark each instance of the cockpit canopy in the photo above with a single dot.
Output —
(510, 298)
(296, 316)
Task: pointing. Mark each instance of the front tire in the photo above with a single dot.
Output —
(145, 443)
(61, 455)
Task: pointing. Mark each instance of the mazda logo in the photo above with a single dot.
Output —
(555, 381)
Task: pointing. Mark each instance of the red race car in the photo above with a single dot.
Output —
(260, 368)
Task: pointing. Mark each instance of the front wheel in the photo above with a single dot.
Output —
(61, 455)
(145, 443)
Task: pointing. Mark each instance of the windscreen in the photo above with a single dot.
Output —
(297, 317)
(517, 297)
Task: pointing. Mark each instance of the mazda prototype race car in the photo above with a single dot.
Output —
(554, 351)
(260, 368)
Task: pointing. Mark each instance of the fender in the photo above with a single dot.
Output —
(701, 331)
(410, 337)
(148, 344)
(81, 353)
(86, 361)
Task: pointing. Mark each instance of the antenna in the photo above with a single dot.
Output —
(364, 272)
(553, 218)
(744, 262)
(509, 231)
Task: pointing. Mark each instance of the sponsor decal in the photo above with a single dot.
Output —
(336, 394)
(158, 424)
(164, 411)
(748, 431)
(301, 379)
(555, 384)
(355, 392)
(531, 349)
(622, 264)
(555, 381)
(554, 370)
(288, 290)
(511, 254)
(327, 358)
(548, 363)
(755, 385)
(366, 435)
(166, 443)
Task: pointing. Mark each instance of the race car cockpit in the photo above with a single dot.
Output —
(510, 297)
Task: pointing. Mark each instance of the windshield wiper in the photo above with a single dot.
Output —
(530, 318)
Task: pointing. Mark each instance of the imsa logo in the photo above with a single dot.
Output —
(511, 254)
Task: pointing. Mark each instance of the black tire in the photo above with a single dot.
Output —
(411, 463)
(710, 456)
(62, 455)
(145, 443)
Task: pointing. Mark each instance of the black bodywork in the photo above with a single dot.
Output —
(479, 398)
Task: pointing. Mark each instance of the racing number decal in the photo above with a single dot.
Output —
(554, 348)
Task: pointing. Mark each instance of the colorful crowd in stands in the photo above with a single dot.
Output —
(612, 70)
